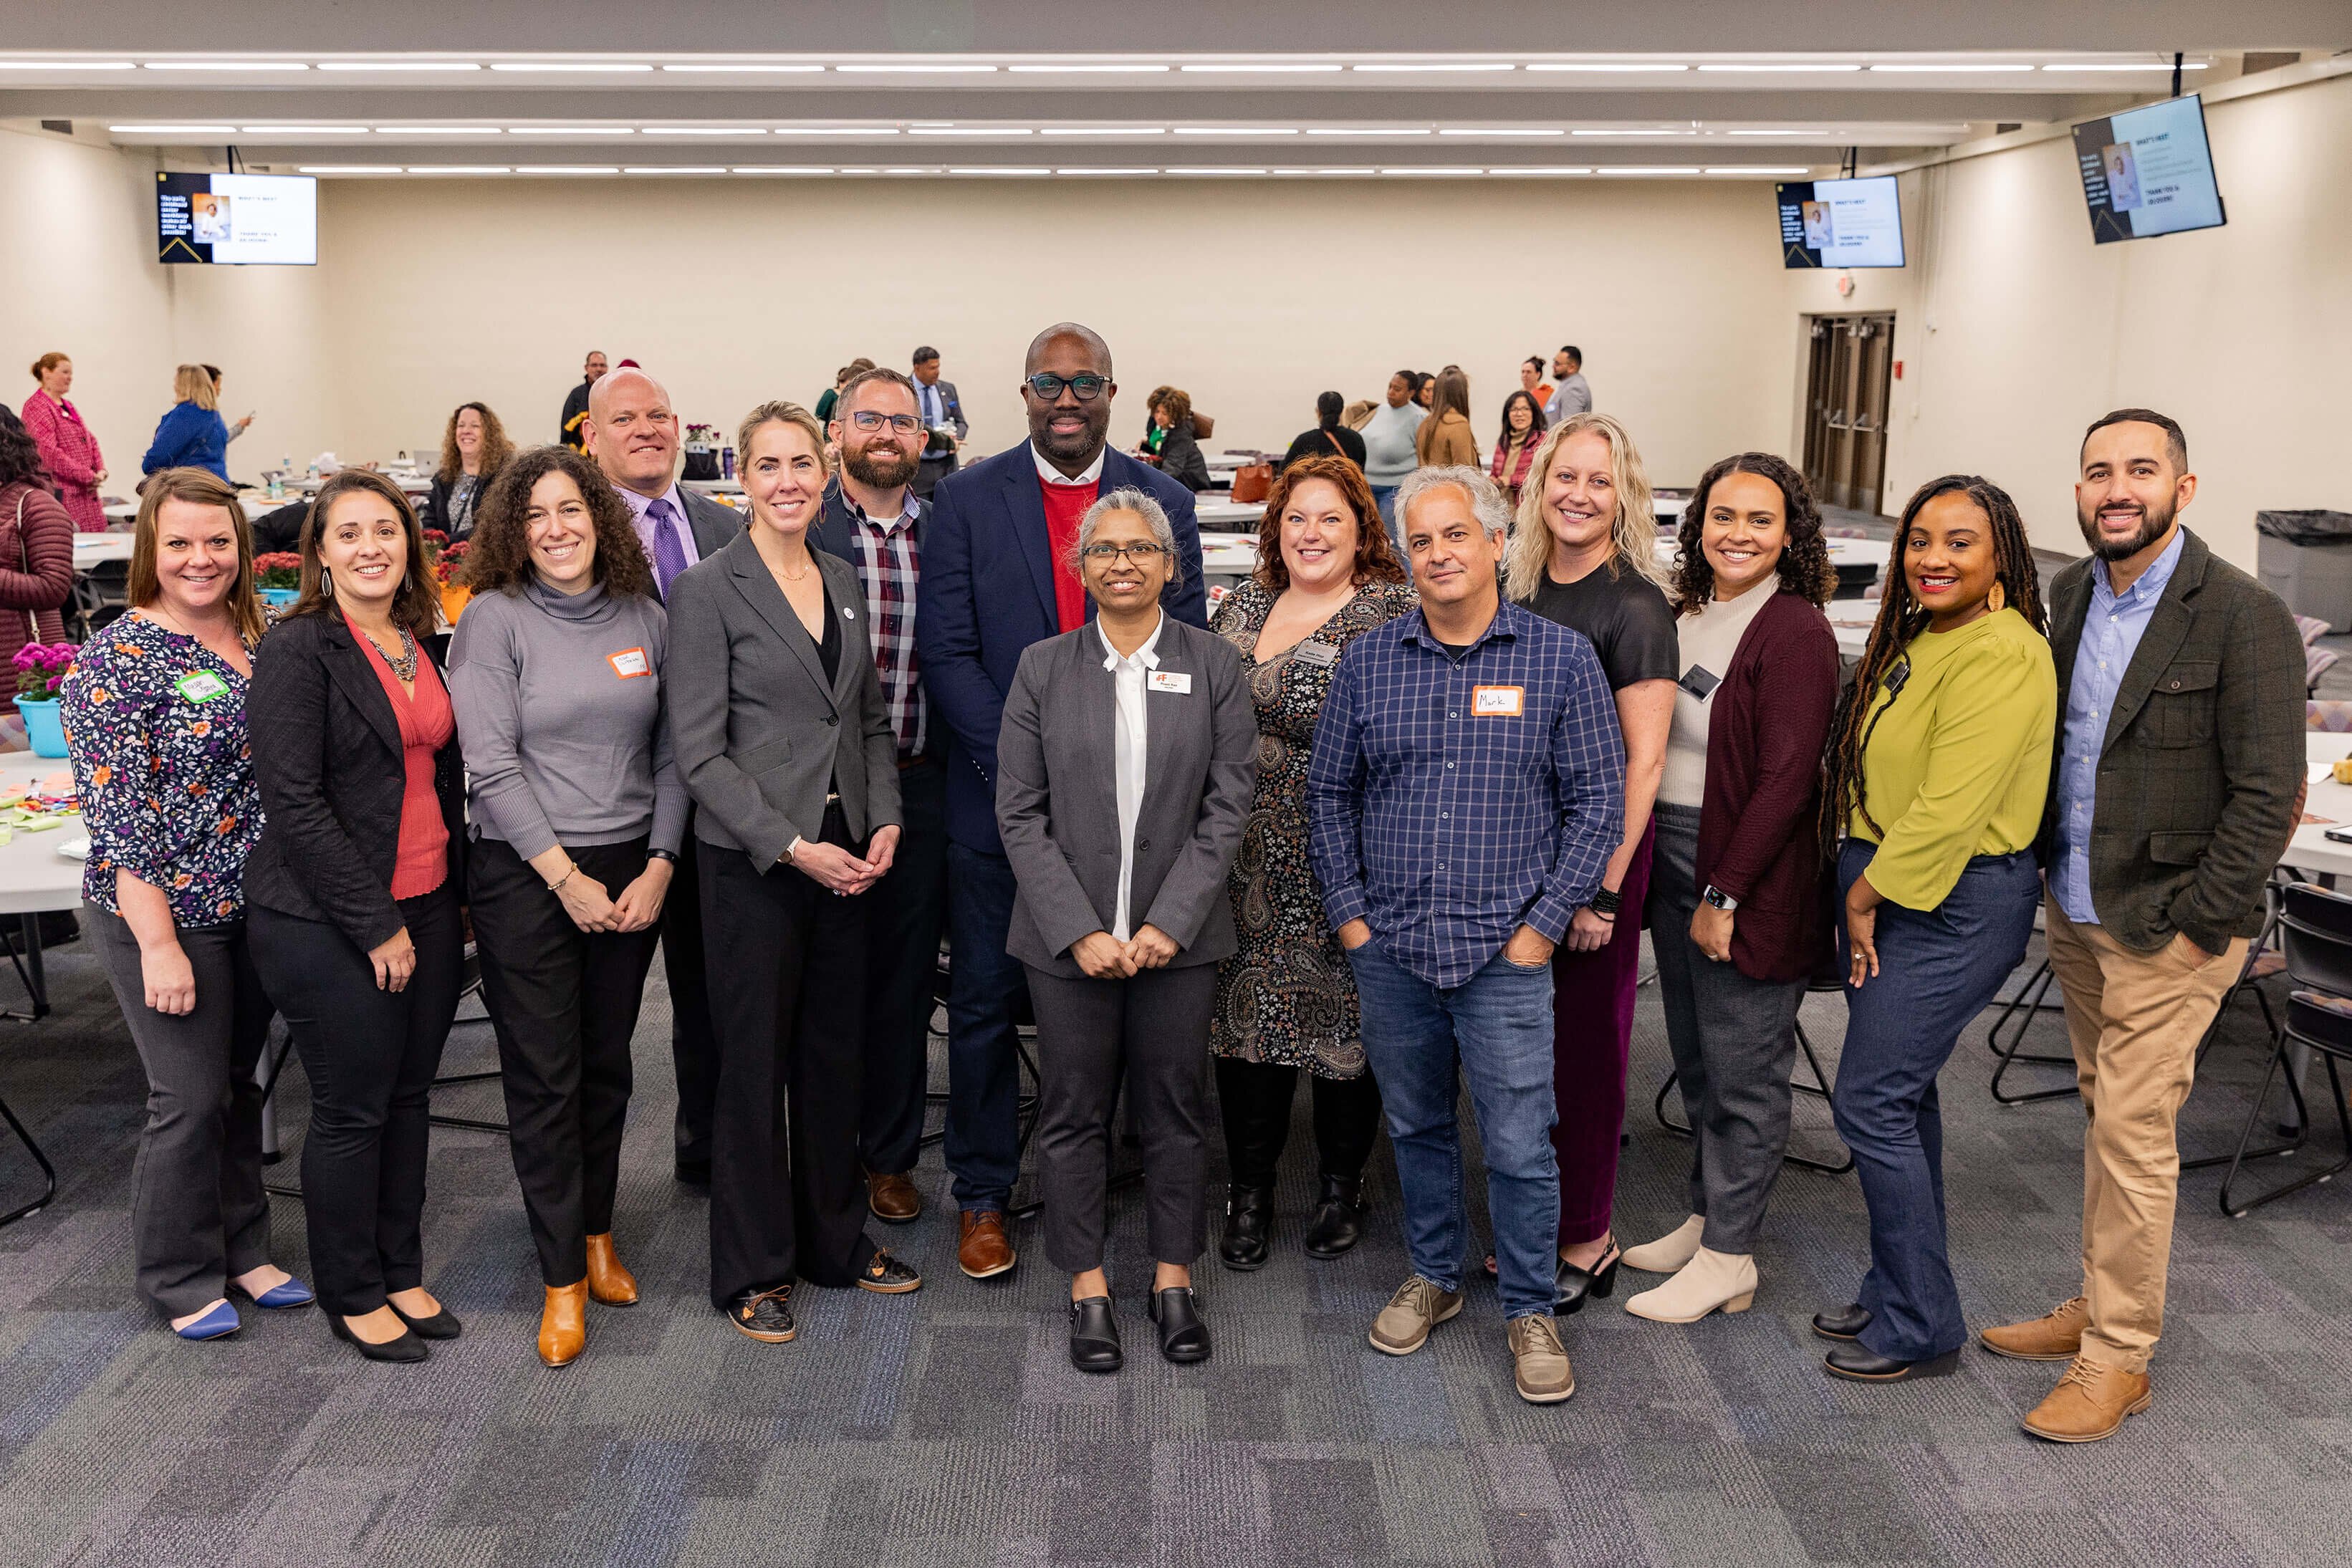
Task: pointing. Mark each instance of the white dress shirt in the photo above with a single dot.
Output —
(1053, 475)
(1129, 735)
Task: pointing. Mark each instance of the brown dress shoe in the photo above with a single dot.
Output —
(609, 1279)
(2089, 1403)
(984, 1251)
(892, 1198)
(2056, 1337)
(563, 1325)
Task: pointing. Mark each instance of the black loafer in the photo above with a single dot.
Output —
(1865, 1366)
(1183, 1337)
(442, 1324)
(1249, 1220)
(1846, 1322)
(764, 1315)
(1339, 1222)
(1573, 1286)
(406, 1348)
(1094, 1336)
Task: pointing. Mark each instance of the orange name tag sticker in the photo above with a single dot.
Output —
(1497, 702)
(630, 662)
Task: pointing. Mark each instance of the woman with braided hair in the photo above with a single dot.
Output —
(1937, 771)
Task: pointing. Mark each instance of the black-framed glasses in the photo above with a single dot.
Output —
(1048, 386)
(1144, 552)
(869, 419)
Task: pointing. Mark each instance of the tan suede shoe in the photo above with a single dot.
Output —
(1540, 1365)
(2056, 1337)
(1417, 1307)
(2089, 1403)
(563, 1325)
(609, 1281)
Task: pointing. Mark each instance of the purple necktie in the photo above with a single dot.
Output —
(670, 551)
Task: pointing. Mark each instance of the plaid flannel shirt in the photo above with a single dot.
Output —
(888, 565)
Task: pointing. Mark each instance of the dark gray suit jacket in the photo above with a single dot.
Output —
(715, 523)
(1057, 797)
(758, 731)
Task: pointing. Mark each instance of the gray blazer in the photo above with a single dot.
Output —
(1057, 797)
(756, 730)
(715, 523)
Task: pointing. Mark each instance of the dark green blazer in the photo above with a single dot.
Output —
(2202, 760)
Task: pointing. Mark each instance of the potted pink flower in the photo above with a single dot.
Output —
(40, 669)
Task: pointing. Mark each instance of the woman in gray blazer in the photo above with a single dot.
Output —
(1123, 776)
(778, 721)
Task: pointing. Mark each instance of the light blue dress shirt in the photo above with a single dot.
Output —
(2112, 628)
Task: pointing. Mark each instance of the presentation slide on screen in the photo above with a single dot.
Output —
(237, 219)
(1841, 223)
(2148, 171)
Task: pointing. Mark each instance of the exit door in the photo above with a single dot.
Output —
(1845, 409)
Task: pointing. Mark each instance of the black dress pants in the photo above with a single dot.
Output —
(370, 1055)
(909, 905)
(693, 1045)
(564, 1003)
(789, 957)
(1255, 1097)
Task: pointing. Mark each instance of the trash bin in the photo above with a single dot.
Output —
(2305, 558)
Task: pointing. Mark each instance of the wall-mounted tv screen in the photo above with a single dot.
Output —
(1841, 223)
(269, 220)
(2148, 171)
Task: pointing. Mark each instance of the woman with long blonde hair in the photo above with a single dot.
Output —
(190, 435)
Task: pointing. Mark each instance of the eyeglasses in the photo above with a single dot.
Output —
(1048, 387)
(1142, 554)
(904, 424)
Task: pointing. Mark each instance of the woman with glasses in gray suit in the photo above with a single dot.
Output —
(1124, 774)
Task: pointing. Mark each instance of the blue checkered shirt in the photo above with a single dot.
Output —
(1446, 829)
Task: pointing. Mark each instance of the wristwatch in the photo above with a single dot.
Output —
(1719, 899)
(670, 856)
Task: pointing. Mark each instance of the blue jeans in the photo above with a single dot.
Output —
(1937, 969)
(985, 984)
(1496, 1027)
(1384, 498)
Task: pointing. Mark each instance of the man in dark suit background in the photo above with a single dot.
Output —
(942, 411)
(632, 433)
(997, 576)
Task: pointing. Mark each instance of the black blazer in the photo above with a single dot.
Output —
(435, 513)
(1181, 459)
(327, 754)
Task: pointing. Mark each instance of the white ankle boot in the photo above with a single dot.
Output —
(1670, 1251)
(1708, 1282)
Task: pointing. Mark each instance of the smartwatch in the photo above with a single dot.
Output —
(1716, 898)
(670, 856)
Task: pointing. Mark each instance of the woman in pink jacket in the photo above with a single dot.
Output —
(68, 450)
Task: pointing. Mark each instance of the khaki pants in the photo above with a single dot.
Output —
(2134, 1019)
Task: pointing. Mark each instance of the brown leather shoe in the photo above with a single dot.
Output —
(2089, 1403)
(985, 1251)
(2058, 1336)
(892, 1198)
(563, 1325)
(609, 1279)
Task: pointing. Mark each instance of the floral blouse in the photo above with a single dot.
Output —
(155, 723)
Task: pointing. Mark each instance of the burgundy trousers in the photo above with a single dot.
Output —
(1592, 1029)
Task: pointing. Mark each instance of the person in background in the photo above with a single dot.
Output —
(1464, 800)
(1179, 451)
(1514, 446)
(1154, 432)
(2180, 702)
(353, 897)
(473, 449)
(572, 432)
(1390, 452)
(632, 436)
(841, 378)
(191, 433)
(1285, 1003)
(1574, 394)
(37, 569)
(68, 451)
(1937, 779)
(943, 418)
(577, 810)
(158, 698)
(1120, 854)
(1532, 382)
(1585, 555)
(1330, 436)
(997, 577)
(1444, 440)
(1734, 876)
(872, 518)
(1425, 389)
(1358, 415)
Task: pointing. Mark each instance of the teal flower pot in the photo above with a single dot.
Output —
(43, 726)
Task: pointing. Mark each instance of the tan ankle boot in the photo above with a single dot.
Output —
(1670, 1251)
(609, 1281)
(2054, 1336)
(2089, 1403)
(563, 1325)
(1710, 1282)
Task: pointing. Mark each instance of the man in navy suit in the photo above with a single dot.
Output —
(996, 578)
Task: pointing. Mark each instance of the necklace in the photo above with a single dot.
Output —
(404, 663)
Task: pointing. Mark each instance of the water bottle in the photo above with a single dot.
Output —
(727, 463)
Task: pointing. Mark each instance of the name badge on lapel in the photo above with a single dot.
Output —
(1497, 702)
(1169, 681)
(630, 662)
(1316, 654)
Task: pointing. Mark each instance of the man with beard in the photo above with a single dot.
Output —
(999, 572)
(2176, 785)
(872, 518)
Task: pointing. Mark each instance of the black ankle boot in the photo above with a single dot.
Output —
(1338, 1219)
(1249, 1217)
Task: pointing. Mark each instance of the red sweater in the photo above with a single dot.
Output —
(1065, 504)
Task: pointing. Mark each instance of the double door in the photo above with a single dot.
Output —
(1846, 388)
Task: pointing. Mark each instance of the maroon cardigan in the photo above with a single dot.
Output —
(36, 569)
(1765, 739)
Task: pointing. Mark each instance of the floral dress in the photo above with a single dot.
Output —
(1286, 997)
(154, 724)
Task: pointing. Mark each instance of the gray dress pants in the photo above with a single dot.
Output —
(1734, 1042)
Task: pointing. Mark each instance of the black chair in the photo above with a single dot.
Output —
(1819, 1088)
(2317, 927)
(471, 987)
(2028, 1001)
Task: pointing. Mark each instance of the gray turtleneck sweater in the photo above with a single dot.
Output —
(559, 703)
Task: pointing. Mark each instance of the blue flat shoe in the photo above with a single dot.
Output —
(280, 1297)
(218, 1324)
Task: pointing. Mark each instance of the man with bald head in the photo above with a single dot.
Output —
(633, 434)
(998, 575)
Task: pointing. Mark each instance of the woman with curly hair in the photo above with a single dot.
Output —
(1736, 868)
(473, 449)
(577, 811)
(1937, 780)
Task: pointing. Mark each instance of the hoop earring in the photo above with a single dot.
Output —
(326, 584)
(1997, 600)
